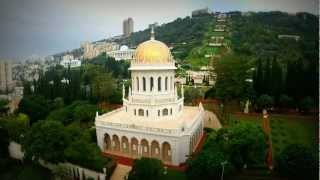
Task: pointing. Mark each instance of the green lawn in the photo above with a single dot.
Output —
(26, 171)
(287, 129)
(175, 175)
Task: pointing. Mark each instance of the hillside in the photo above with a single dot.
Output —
(183, 34)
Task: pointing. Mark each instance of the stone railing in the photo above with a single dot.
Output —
(139, 128)
(72, 170)
(156, 101)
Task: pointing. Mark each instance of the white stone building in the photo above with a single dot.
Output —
(91, 50)
(72, 63)
(153, 121)
(123, 54)
(67, 57)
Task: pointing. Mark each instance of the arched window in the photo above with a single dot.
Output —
(171, 83)
(144, 83)
(158, 112)
(166, 84)
(137, 84)
(141, 112)
(135, 112)
(165, 112)
(170, 111)
(151, 83)
(147, 113)
(159, 83)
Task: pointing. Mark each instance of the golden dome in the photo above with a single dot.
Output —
(152, 52)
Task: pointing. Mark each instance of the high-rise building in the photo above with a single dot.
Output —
(127, 27)
(6, 83)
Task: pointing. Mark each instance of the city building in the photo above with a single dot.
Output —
(67, 57)
(6, 82)
(91, 50)
(127, 27)
(286, 36)
(201, 12)
(72, 63)
(124, 53)
(153, 121)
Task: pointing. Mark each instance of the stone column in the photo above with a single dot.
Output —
(139, 149)
(148, 84)
(163, 84)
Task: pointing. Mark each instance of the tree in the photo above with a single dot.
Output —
(17, 126)
(306, 104)
(103, 86)
(232, 72)
(265, 101)
(4, 140)
(285, 101)
(191, 94)
(63, 115)
(267, 78)
(210, 93)
(46, 140)
(258, 78)
(290, 80)
(276, 84)
(297, 162)
(3, 106)
(208, 165)
(36, 107)
(57, 103)
(85, 112)
(88, 155)
(244, 142)
(78, 111)
(146, 168)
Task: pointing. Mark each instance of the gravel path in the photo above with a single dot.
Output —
(120, 172)
(211, 120)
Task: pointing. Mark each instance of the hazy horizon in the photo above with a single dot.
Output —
(44, 27)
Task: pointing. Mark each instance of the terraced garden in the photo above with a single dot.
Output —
(196, 58)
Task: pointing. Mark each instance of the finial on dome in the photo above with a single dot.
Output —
(152, 33)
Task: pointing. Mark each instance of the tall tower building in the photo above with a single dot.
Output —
(127, 27)
(6, 83)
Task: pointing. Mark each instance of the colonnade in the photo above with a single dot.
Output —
(136, 148)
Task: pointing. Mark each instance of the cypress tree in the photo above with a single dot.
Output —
(276, 79)
(258, 78)
(267, 79)
(291, 80)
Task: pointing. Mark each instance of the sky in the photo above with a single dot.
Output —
(46, 27)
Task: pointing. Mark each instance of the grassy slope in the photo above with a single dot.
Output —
(175, 175)
(287, 129)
